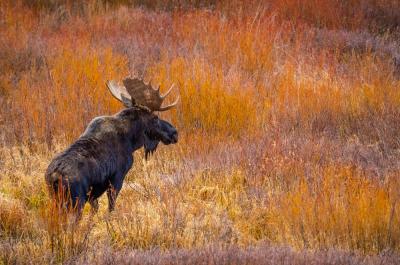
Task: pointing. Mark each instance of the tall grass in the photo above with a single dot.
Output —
(289, 124)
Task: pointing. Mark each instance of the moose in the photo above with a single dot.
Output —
(101, 157)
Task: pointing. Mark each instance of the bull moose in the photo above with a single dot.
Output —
(99, 160)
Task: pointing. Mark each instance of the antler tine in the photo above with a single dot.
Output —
(167, 93)
(170, 106)
(143, 94)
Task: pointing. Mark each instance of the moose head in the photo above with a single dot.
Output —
(135, 93)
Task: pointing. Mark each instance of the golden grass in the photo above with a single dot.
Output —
(285, 139)
(287, 201)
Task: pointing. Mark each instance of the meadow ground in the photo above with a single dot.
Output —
(289, 124)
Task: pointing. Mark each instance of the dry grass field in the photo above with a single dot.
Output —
(289, 123)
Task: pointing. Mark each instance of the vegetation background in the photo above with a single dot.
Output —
(289, 126)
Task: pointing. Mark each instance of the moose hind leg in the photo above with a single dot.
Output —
(79, 209)
(78, 199)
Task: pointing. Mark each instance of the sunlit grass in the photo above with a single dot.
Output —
(284, 139)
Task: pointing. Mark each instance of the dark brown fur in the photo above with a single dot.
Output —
(99, 160)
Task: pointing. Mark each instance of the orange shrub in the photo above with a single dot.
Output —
(338, 207)
(68, 95)
(269, 113)
(206, 101)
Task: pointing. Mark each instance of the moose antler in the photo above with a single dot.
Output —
(141, 94)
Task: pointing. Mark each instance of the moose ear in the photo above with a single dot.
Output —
(120, 93)
(150, 146)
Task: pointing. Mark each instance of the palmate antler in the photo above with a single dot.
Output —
(136, 92)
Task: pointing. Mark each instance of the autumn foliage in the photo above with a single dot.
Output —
(289, 118)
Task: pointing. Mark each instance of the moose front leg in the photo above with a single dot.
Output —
(112, 194)
(95, 206)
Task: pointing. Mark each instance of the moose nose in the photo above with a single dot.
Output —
(174, 137)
